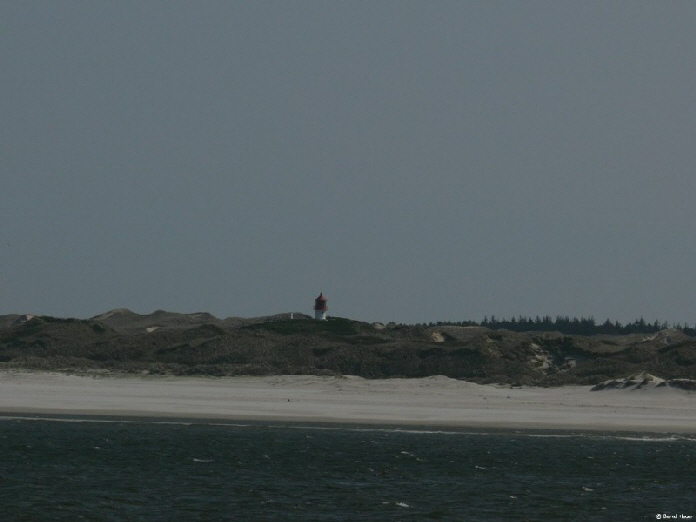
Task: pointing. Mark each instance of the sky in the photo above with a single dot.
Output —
(415, 161)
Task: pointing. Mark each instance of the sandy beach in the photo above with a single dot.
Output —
(434, 401)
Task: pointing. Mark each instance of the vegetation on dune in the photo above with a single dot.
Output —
(571, 326)
(180, 345)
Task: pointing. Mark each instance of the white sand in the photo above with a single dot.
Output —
(433, 401)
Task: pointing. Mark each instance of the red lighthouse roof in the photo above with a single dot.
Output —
(320, 303)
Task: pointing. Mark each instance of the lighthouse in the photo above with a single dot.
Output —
(320, 308)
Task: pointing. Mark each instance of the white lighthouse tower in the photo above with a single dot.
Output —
(320, 308)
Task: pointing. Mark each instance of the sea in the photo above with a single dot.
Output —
(134, 469)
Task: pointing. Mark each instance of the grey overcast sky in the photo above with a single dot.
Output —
(415, 161)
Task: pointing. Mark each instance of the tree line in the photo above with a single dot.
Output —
(571, 326)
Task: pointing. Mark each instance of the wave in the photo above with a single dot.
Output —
(629, 437)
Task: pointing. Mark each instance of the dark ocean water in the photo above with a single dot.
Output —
(122, 470)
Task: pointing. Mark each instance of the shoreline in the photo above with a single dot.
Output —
(436, 402)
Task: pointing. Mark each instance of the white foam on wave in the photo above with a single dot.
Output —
(550, 435)
(120, 421)
(399, 504)
(647, 437)
(367, 430)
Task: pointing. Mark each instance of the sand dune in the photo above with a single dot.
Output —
(433, 401)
